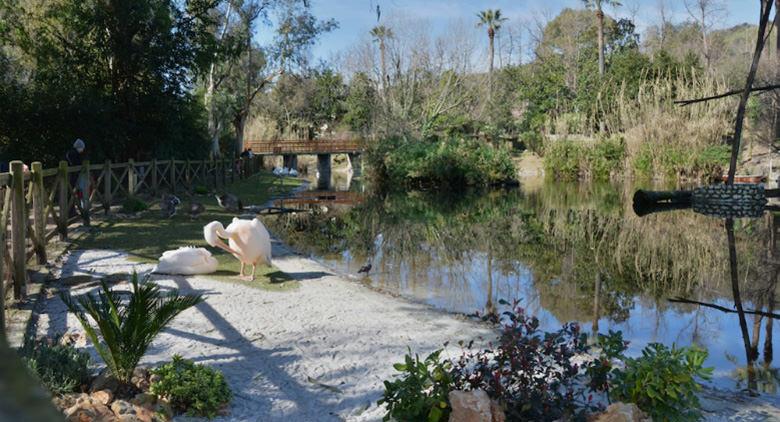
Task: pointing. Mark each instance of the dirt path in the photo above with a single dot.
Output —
(316, 353)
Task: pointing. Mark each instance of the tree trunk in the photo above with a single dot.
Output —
(239, 124)
(491, 36)
(383, 63)
(600, 23)
(489, 306)
(750, 358)
(211, 110)
(777, 72)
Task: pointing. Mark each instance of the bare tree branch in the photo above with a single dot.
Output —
(722, 308)
(727, 94)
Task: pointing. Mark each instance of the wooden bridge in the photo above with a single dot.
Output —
(321, 198)
(299, 147)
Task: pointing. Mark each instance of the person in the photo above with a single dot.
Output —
(78, 181)
(245, 153)
(249, 152)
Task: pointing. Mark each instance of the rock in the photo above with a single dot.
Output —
(123, 408)
(74, 339)
(104, 381)
(144, 399)
(76, 279)
(89, 412)
(164, 409)
(474, 406)
(140, 378)
(153, 378)
(622, 412)
(66, 401)
(102, 396)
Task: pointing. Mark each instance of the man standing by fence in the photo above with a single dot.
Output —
(78, 181)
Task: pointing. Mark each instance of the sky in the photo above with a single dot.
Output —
(357, 17)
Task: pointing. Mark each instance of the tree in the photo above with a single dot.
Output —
(381, 34)
(359, 103)
(597, 6)
(491, 19)
(705, 13)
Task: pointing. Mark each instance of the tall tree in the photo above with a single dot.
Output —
(705, 13)
(381, 34)
(492, 20)
(597, 5)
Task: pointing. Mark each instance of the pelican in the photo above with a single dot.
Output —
(248, 241)
(186, 261)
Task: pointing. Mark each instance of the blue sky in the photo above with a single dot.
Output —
(357, 17)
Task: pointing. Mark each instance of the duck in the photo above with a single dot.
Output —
(196, 209)
(248, 241)
(229, 202)
(186, 260)
(293, 173)
(168, 206)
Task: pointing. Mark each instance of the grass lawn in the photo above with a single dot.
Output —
(146, 238)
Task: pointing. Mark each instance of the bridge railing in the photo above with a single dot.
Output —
(317, 146)
(38, 204)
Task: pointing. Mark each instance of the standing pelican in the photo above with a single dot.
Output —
(248, 241)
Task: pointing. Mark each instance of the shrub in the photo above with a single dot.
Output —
(563, 159)
(569, 160)
(62, 369)
(127, 327)
(530, 372)
(420, 393)
(605, 157)
(196, 390)
(133, 204)
(450, 164)
(662, 382)
(200, 190)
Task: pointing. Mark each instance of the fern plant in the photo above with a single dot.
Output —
(127, 328)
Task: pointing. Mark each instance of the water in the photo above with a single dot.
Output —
(569, 252)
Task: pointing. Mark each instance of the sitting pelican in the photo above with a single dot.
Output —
(248, 241)
(186, 261)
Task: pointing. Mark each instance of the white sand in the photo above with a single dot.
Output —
(278, 349)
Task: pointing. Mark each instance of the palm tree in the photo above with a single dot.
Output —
(597, 5)
(492, 19)
(381, 34)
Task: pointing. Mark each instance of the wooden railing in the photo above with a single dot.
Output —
(36, 204)
(317, 146)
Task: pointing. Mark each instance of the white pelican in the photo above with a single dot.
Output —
(186, 261)
(248, 241)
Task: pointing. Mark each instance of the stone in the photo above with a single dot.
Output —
(122, 408)
(140, 378)
(622, 412)
(102, 396)
(104, 381)
(76, 279)
(144, 399)
(73, 338)
(474, 406)
(89, 412)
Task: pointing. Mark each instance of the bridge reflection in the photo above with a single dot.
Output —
(304, 199)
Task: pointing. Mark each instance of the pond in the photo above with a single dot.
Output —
(568, 252)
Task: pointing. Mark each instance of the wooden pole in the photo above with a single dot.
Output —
(18, 230)
(39, 211)
(3, 246)
(86, 203)
(223, 170)
(155, 188)
(173, 175)
(130, 177)
(107, 182)
(233, 169)
(62, 197)
(214, 172)
(188, 175)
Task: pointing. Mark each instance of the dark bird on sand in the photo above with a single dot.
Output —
(168, 206)
(229, 202)
(196, 209)
(364, 269)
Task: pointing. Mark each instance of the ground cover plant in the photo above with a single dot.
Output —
(196, 390)
(61, 369)
(125, 327)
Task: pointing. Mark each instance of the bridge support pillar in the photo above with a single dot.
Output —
(323, 168)
(290, 161)
(356, 163)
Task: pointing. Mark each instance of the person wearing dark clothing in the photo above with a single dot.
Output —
(78, 181)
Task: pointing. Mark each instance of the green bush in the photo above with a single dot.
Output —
(133, 204)
(62, 369)
(569, 160)
(127, 327)
(563, 159)
(200, 190)
(450, 164)
(196, 390)
(420, 393)
(713, 159)
(662, 382)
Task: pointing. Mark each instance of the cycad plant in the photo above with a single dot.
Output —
(128, 327)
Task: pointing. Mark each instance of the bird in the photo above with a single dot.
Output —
(168, 206)
(277, 171)
(186, 261)
(196, 209)
(365, 269)
(248, 241)
(293, 173)
(229, 202)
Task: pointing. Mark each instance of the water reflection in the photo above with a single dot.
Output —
(571, 253)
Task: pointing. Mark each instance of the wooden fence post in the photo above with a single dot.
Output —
(39, 211)
(130, 177)
(154, 177)
(108, 175)
(18, 230)
(188, 175)
(213, 164)
(173, 176)
(62, 198)
(86, 204)
(233, 168)
(223, 170)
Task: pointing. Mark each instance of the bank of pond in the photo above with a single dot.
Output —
(568, 252)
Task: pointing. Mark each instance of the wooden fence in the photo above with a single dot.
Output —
(39, 204)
